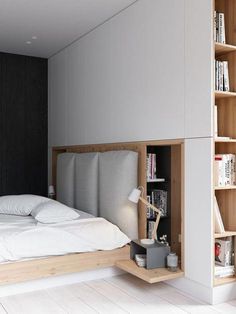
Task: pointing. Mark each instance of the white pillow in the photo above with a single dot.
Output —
(20, 205)
(53, 212)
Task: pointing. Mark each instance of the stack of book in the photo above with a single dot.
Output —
(151, 167)
(224, 169)
(221, 76)
(224, 271)
(223, 251)
(219, 27)
(158, 198)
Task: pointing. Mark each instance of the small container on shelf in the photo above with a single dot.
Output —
(172, 261)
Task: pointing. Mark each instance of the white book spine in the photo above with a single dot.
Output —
(214, 34)
(226, 76)
(221, 28)
(221, 76)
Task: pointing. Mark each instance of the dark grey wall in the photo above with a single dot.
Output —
(23, 124)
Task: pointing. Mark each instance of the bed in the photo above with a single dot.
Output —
(74, 173)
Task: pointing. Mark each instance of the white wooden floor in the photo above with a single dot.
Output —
(121, 294)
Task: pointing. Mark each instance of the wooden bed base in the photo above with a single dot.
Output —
(60, 265)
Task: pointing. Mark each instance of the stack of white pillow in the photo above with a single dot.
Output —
(43, 209)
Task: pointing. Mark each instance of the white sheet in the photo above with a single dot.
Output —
(23, 238)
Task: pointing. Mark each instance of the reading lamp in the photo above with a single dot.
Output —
(137, 195)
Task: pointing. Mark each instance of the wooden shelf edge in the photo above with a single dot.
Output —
(148, 275)
(222, 94)
(227, 187)
(231, 140)
(223, 281)
(225, 234)
(221, 49)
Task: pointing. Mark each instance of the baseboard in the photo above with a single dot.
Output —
(193, 289)
(45, 283)
(224, 293)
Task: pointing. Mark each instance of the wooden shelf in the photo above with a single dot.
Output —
(219, 140)
(220, 94)
(151, 275)
(159, 180)
(227, 187)
(225, 234)
(222, 281)
(221, 49)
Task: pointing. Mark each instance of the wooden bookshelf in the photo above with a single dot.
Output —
(226, 107)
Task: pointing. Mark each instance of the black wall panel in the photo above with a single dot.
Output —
(23, 129)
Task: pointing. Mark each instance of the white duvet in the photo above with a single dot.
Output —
(23, 238)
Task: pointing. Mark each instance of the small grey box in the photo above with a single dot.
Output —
(156, 253)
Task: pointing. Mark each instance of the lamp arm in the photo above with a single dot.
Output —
(154, 232)
(149, 205)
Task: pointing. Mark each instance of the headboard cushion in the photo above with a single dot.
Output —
(65, 178)
(99, 183)
(86, 182)
(117, 178)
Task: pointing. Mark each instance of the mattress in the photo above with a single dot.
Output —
(22, 237)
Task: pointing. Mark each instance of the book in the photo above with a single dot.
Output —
(224, 170)
(223, 251)
(221, 18)
(219, 225)
(159, 200)
(151, 167)
(224, 271)
(215, 26)
(225, 76)
(219, 27)
(221, 76)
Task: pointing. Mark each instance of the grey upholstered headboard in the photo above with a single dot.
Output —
(99, 183)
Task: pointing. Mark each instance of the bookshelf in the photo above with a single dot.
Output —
(169, 169)
(226, 113)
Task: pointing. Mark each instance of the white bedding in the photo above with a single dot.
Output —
(23, 238)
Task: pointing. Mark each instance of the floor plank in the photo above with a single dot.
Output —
(152, 301)
(65, 297)
(31, 303)
(2, 310)
(96, 300)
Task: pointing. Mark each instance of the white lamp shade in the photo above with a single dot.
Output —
(51, 190)
(135, 195)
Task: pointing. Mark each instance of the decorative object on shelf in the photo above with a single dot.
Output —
(141, 260)
(163, 239)
(135, 196)
(156, 254)
(51, 191)
(172, 261)
(219, 225)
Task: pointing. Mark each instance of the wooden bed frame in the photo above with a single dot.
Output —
(52, 266)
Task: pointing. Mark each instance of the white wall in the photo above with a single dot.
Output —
(145, 74)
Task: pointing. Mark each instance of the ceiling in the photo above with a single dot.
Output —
(43, 27)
